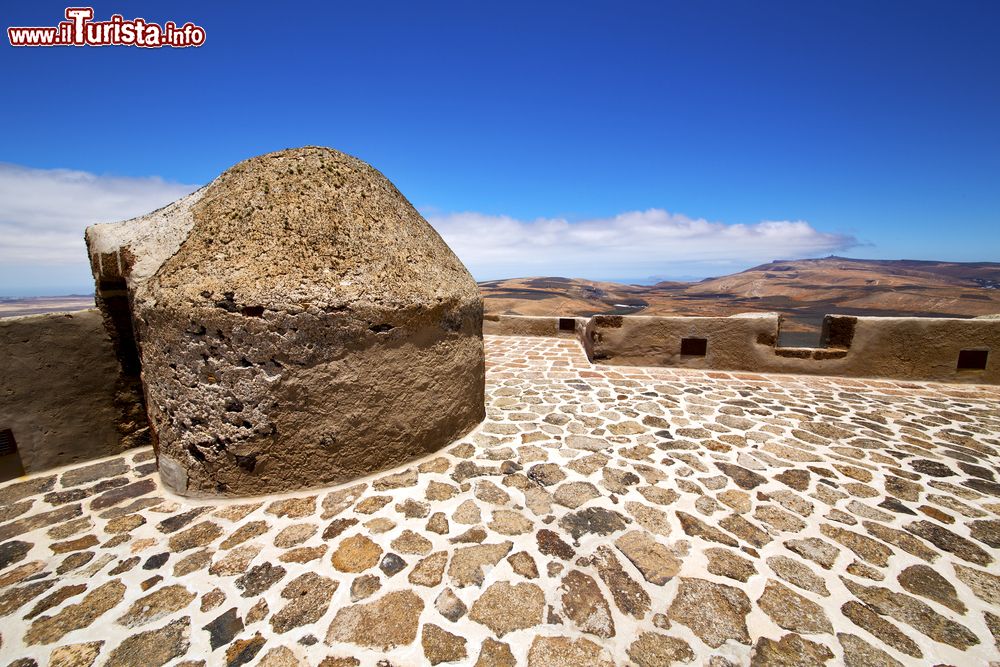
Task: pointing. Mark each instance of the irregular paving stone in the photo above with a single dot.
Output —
(550, 544)
(790, 650)
(259, 578)
(495, 654)
(798, 574)
(430, 570)
(943, 538)
(212, 599)
(901, 539)
(236, 561)
(546, 474)
(224, 628)
(584, 604)
(656, 563)
(413, 509)
(93, 472)
(75, 655)
(628, 595)
(797, 479)
(397, 480)
(575, 494)
(744, 478)
(653, 649)
(14, 598)
(659, 496)
(468, 512)
(468, 563)
(192, 563)
(725, 563)
(156, 561)
(70, 528)
(779, 519)
(55, 599)
(523, 564)
(385, 623)
(695, 527)
(196, 536)
(486, 491)
(859, 653)
(986, 531)
(280, 656)
(356, 554)
(336, 502)
(124, 524)
(40, 520)
(654, 520)
(926, 582)
(392, 564)
(176, 522)
(449, 605)
(303, 554)
(745, 530)
(243, 533)
(338, 526)
(12, 493)
(309, 597)
(294, 508)
(294, 535)
(156, 605)
(714, 612)
(864, 617)
(365, 586)
(914, 613)
(504, 607)
(258, 612)
(13, 552)
(242, 651)
(563, 651)
(441, 646)
(986, 586)
(865, 547)
(50, 629)
(792, 611)
(153, 647)
(410, 542)
(508, 522)
(122, 493)
(592, 520)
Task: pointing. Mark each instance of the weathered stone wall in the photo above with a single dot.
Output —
(524, 325)
(909, 348)
(298, 324)
(63, 394)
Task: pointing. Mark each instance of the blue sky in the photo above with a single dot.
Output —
(632, 139)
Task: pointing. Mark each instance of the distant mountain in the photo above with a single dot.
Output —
(803, 290)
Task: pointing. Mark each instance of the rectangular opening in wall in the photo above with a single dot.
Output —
(694, 347)
(7, 444)
(972, 360)
(567, 324)
(10, 461)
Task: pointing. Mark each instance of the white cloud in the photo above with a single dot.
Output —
(634, 244)
(43, 212)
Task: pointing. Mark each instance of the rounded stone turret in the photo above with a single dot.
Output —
(298, 323)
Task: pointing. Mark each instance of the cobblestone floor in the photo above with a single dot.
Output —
(600, 516)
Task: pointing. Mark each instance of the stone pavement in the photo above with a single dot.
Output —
(600, 516)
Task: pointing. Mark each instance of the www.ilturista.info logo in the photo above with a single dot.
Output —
(79, 29)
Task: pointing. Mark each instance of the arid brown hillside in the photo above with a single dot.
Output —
(803, 290)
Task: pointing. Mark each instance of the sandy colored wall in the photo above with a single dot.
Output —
(60, 380)
(909, 348)
(527, 325)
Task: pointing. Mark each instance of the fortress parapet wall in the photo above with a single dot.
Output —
(904, 348)
(66, 398)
